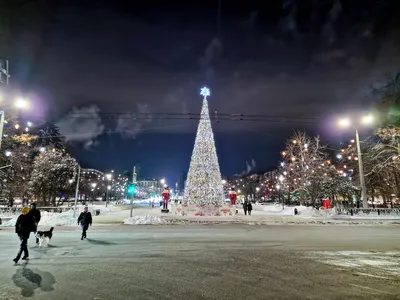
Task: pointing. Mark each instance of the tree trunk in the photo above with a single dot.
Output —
(372, 196)
(302, 198)
(60, 201)
(53, 200)
(44, 199)
(397, 188)
(11, 200)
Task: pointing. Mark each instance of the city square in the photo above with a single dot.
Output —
(213, 150)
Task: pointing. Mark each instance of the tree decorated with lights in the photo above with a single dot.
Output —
(305, 167)
(204, 183)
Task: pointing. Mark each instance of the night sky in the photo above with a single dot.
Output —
(293, 59)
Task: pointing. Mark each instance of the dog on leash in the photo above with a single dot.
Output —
(44, 236)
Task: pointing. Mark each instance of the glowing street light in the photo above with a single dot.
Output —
(344, 122)
(224, 181)
(21, 103)
(162, 181)
(365, 120)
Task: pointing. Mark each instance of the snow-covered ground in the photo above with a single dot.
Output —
(145, 220)
(303, 211)
(261, 215)
(49, 219)
(372, 264)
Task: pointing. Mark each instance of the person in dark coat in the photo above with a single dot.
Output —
(245, 207)
(35, 214)
(23, 227)
(249, 207)
(85, 219)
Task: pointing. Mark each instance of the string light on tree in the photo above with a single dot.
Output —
(204, 183)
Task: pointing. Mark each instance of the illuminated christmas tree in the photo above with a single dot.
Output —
(204, 183)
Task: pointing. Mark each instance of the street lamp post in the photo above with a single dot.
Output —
(108, 176)
(346, 123)
(283, 198)
(361, 170)
(93, 190)
(20, 104)
(5, 72)
(77, 189)
(278, 187)
(163, 184)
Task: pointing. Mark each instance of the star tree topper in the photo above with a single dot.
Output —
(205, 92)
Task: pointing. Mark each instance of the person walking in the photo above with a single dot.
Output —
(35, 214)
(23, 227)
(85, 219)
(245, 207)
(249, 208)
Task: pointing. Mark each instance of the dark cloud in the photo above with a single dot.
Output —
(82, 125)
(120, 62)
(299, 59)
(129, 125)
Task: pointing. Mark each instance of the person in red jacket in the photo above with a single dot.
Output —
(233, 196)
(165, 196)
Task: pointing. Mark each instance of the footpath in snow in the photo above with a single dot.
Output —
(261, 215)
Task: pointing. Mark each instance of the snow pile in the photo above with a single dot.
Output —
(58, 219)
(142, 202)
(145, 220)
(50, 219)
(102, 208)
(303, 211)
(8, 214)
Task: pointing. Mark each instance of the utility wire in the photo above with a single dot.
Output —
(221, 117)
(120, 114)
